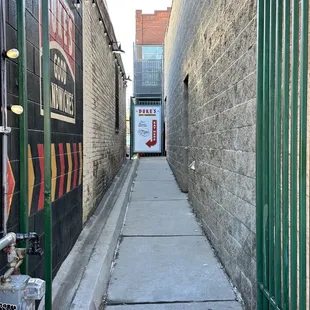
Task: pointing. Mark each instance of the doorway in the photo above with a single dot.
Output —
(185, 135)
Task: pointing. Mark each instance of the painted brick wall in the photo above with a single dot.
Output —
(150, 28)
(104, 148)
(66, 138)
(214, 43)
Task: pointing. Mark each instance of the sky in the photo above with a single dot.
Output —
(123, 13)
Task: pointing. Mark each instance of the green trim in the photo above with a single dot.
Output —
(293, 155)
(279, 34)
(265, 153)
(47, 154)
(271, 146)
(303, 156)
(259, 147)
(285, 156)
(131, 127)
(23, 123)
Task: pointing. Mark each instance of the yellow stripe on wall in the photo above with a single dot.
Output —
(54, 170)
(69, 167)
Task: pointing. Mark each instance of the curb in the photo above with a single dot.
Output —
(82, 280)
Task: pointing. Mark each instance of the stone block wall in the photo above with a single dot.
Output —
(104, 145)
(214, 44)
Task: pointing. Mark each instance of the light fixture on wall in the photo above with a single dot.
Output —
(192, 166)
(128, 78)
(117, 50)
(94, 3)
(13, 53)
(100, 21)
(78, 4)
(16, 109)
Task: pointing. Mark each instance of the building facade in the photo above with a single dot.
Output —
(104, 108)
(210, 91)
(87, 121)
(148, 62)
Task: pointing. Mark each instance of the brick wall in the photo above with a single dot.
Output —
(150, 28)
(214, 43)
(104, 148)
(66, 134)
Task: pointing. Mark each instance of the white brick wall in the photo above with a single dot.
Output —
(104, 149)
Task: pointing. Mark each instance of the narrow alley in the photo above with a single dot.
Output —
(164, 260)
(154, 155)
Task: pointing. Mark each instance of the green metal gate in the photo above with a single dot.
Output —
(282, 163)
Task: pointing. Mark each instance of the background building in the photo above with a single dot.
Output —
(148, 60)
(148, 53)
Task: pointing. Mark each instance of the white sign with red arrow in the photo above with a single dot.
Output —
(147, 129)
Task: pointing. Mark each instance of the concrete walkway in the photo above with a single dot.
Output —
(164, 261)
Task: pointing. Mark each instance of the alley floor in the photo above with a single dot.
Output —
(164, 261)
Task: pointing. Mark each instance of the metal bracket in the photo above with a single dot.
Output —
(6, 130)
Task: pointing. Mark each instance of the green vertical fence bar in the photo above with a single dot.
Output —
(265, 145)
(303, 156)
(293, 156)
(285, 156)
(271, 147)
(47, 154)
(132, 111)
(259, 150)
(278, 136)
(23, 124)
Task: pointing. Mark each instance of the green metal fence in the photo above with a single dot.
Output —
(282, 165)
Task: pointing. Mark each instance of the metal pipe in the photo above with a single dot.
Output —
(271, 147)
(259, 150)
(265, 147)
(303, 156)
(47, 155)
(285, 155)
(131, 127)
(7, 240)
(4, 121)
(23, 123)
(293, 155)
(278, 100)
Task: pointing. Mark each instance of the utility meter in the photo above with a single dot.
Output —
(21, 292)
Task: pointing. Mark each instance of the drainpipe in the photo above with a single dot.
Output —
(4, 128)
(9, 239)
(23, 124)
(47, 154)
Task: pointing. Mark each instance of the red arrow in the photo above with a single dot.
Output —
(153, 142)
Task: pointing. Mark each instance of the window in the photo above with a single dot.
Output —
(152, 52)
(116, 98)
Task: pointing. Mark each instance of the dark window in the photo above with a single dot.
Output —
(116, 98)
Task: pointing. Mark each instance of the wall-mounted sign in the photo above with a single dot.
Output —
(147, 129)
(62, 67)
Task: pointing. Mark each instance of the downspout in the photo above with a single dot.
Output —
(23, 124)
(47, 154)
(131, 127)
(4, 128)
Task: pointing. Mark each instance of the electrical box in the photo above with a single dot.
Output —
(21, 292)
